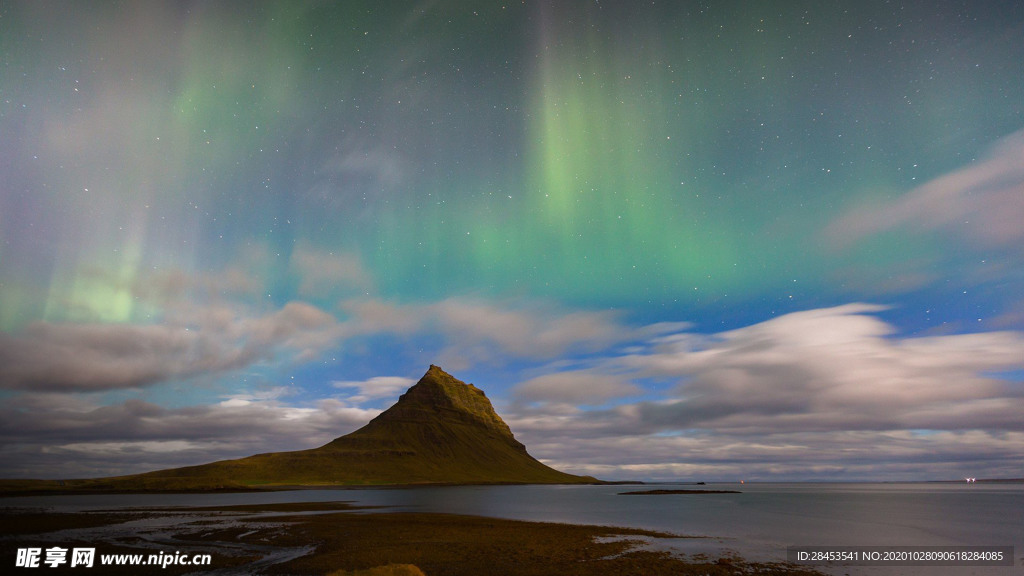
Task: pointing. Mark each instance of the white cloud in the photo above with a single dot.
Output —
(831, 369)
(828, 393)
(822, 393)
(534, 332)
(983, 201)
(375, 388)
(475, 330)
(236, 400)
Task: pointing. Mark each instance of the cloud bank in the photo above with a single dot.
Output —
(92, 357)
(60, 435)
(823, 393)
(826, 393)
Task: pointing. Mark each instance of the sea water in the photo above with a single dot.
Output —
(759, 523)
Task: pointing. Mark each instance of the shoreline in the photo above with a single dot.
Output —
(13, 488)
(325, 537)
(17, 488)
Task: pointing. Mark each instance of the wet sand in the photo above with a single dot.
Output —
(335, 538)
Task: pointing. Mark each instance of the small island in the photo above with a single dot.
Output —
(667, 492)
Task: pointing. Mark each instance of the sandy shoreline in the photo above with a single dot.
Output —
(322, 538)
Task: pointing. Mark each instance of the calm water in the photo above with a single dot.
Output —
(757, 524)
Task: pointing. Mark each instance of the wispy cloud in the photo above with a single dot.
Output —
(375, 388)
(983, 202)
(323, 272)
(580, 387)
(476, 330)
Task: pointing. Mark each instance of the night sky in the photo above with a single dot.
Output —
(670, 240)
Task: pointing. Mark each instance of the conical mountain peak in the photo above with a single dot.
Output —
(441, 389)
(441, 430)
(442, 395)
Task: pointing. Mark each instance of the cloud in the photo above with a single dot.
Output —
(983, 202)
(822, 392)
(300, 327)
(375, 388)
(475, 330)
(235, 400)
(90, 357)
(48, 356)
(54, 435)
(845, 456)
(583, 387)
(533, 332)
(174, 287)
(828, 393)
(834, 369)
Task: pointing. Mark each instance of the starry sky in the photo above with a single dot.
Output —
(670, 240)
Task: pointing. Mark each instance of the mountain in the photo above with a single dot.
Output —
(441, 431)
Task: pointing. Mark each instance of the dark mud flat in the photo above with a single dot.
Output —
(335, 539)
(666, 492)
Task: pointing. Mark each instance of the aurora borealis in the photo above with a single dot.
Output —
(669, 240)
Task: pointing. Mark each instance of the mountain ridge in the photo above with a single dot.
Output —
(440, 431)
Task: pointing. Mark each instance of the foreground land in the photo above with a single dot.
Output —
(332, 538)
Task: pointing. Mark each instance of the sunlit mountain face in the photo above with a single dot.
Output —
(672, 241)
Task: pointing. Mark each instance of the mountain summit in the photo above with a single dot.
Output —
(438, 399)
(441, 431)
